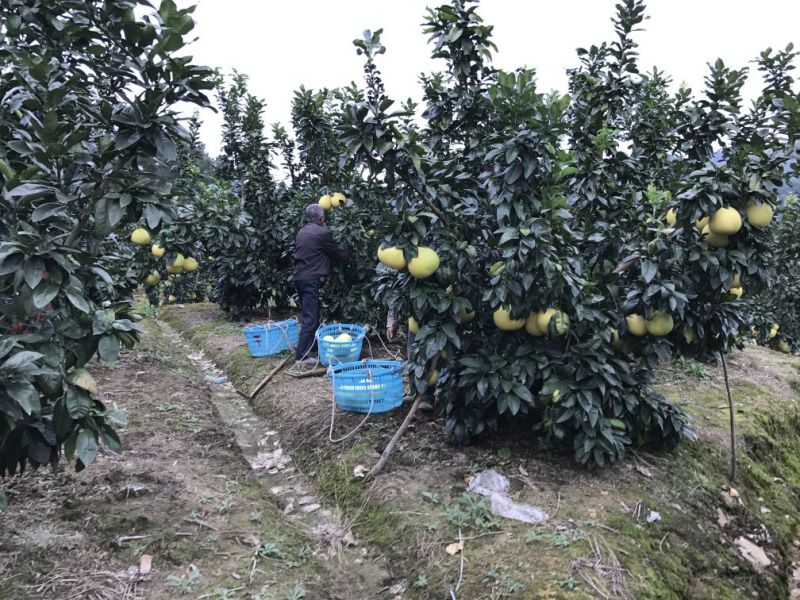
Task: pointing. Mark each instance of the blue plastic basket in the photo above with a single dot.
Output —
(373, 386)
(271, 338)
(336, 353)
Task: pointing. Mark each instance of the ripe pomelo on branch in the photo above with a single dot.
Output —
(140, 236)
(413, 326)
(189, 264)
(157, 250)
(671, 217)
(502, 319)
(726, 221)
(717, 240)
(424, 264)
(532, 325)
(759, 214)
(636, 325)
(152, 279)
(326, 202)
(392, 257)
(660, 324)
(338, 199)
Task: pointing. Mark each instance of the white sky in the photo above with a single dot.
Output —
(282, 44)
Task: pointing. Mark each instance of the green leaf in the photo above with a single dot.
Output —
(78, 402)
(34, 271)
(25, 394)
(86, 447)
(44, 293)
(78, 301)
(111, 439)
(108, 348)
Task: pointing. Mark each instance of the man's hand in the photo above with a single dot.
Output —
(391, 328)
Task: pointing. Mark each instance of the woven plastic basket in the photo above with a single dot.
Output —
(339, 352)
(373, 386)
(271, 338)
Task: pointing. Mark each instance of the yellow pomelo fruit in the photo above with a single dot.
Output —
(754, 331)
(83, 379)
(172, 298)
(688, 334)
(671, 217)
(726, 221)
(466, 316)
(701, 224)
(502, 319)
(561, 322)
(556, 395)
(543, 319)
(737, 280)
(140, 236)
(413, 326)
(174, 270)
(532, 325)
(433, 377)
(392, 257)
(737, 291)
(326, 202)
(157, 250)
(189, 264)
(773, 331)
(344, 337)
(660, 324)
(424, 264)
(178, 262)
(784, 347)
(636, 325)
(338, 199)
(329, 338)
(759, 214)
(715, 239)
(152, 279)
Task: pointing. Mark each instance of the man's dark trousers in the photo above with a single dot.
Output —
(308, 290)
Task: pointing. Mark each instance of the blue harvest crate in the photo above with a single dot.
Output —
(335, 353)
(371, 386)
(271, 338)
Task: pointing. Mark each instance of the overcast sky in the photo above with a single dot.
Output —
(282, 44)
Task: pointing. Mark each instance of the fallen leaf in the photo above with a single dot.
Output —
(733, 493)
(145, 563)
(455, 548)
(360, 471)
(644, 471)
(522, 470)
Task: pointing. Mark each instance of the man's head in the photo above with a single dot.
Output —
(315, 214)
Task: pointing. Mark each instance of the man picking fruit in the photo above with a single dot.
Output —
(314, 249)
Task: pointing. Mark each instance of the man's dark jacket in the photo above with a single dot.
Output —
(314, 248)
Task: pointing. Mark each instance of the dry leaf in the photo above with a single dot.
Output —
(145, 564)
(360, 471)
(722, 518)
(455, 548)
(644, 471)
(733, 493)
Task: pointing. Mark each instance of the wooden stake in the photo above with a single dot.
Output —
(403, 426)
(309, 373)
(269, 377)
(733, 426)
(390, 446)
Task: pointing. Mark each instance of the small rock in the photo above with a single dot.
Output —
(398, 588)
(305, 500)
(752, 553)
(727, 500)
(309, 508)
(722, 518)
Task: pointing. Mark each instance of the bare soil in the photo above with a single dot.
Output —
(181, 493)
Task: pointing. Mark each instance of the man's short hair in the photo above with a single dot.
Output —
(314, 213)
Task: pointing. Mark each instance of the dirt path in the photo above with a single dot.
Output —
(182, 493)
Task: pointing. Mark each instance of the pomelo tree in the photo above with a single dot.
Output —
(87, 131)
(567, 224)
